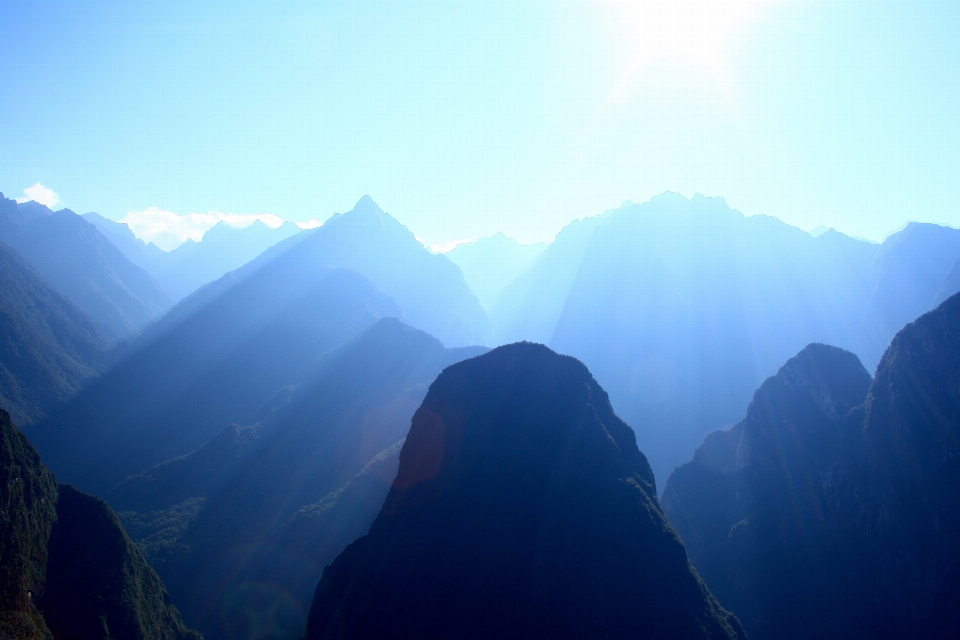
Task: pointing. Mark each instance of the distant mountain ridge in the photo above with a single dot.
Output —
(193, 264)
(490, 264)
(429, 288)
(84, 266)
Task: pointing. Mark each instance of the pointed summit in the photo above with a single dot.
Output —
(366, 205)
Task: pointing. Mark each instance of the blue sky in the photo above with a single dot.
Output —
(467, 118)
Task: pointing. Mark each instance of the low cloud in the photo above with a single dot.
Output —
(313, 223)
(445, 247)
(168, 230)
(39, 193)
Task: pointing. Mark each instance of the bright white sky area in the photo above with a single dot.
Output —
(467, 118)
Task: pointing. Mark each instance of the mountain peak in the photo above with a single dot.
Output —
(522, 508)
(366, 205)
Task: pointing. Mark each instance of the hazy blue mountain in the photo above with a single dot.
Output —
(910, 272)
(193, 264)
(147, 256)
(818, 518)
(429, 288)
(226, 353)
(490, 264)
(528, 308)
(222, 249)
(241, 528)
(682, 307)
(950, 285)
(85, 266)
(233, 360)
(68, 570)
(48, 347)
(522, 508)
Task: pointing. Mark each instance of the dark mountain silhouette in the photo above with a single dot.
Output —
(85, 266)
(751, 505)
(906, 519)
(193, 264)
(48, 347)
(29, 495)
(241, 528)
(841, 518)
(522, 508)
(681, 308)
(234, 360)
(490, 264)
(68, 569)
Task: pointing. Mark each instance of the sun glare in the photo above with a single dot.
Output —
(693, 32)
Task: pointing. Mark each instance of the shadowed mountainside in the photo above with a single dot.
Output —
(752, 506)
(48, 347)
(84, 266)
(68, 569)
(522, 508)
(234, 360)
(681, 308)
(817, 509)
(241, 528)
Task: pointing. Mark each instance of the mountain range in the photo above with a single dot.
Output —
(230, 352)
(249, 434)
(831, 509)
(314, 472)
(681, 308)
(193, 264)
(84, 266)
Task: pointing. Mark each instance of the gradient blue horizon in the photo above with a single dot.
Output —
(464, 119)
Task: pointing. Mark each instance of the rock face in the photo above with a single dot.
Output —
(522, 508)
(906, 502)
(28, 492)
(68, 569)
(818, 518)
